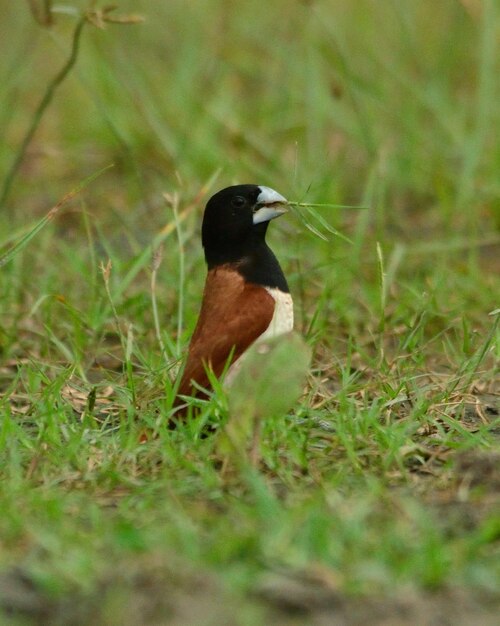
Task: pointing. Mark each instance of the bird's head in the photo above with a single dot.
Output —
(237, 217)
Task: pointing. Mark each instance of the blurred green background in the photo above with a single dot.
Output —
(394, 102)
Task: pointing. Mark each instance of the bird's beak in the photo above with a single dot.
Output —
(270, 204)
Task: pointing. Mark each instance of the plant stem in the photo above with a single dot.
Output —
(44, 103)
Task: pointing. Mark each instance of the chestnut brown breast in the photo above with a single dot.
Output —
(233, 314)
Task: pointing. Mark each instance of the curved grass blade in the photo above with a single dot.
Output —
(315, 217)
(16, 248)
(326, 205)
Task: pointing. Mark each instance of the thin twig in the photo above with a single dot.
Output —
(44, 103)
(42, 14)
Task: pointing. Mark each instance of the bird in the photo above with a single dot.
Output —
(246, 297)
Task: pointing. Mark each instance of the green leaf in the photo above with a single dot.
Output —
(269, 382)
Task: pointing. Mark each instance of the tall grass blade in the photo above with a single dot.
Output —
(16, 248)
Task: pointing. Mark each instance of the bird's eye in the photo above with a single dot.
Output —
(238, 202)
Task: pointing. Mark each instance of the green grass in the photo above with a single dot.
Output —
(384, 477)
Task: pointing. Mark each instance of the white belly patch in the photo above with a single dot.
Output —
(281, 323)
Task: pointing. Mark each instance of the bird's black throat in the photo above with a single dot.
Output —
(252, 258)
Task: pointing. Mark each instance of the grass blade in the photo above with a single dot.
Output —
(16, 248)
(325, 205)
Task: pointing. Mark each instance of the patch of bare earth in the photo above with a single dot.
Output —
(310, 600)
(135, 594)
(174, 596)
